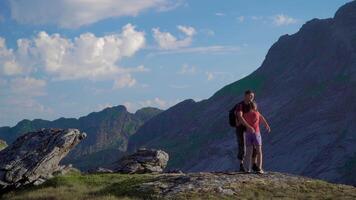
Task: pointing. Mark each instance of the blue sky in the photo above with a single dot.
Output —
(68, 58)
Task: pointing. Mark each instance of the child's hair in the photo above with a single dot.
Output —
(253, 105)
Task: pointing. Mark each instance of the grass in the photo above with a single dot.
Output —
(77, 186)
(2, 145)
(252, 81)
(120, 186)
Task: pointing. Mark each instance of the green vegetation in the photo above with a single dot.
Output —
(252, 81)
(121, 186)
(77, 186)
(3, 145)
(348, 170)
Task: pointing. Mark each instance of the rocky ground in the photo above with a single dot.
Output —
(216, 185)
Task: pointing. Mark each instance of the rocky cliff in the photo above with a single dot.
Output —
(34, 157)
(305, 87)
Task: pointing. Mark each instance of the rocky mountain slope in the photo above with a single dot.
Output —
(305, 87)
(183, 186)
(107, 133)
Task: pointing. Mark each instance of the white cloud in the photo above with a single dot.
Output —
(210, 76)
(85, 57)
(225, 76)
(101, 107)
(11, 68)
(220, 14)
(281, 20)
(156, 102)
(257, 17)
(124, 81)
(241, 19)
(8, 64)
(75, 13)
(186, 69)
(188, 30)
(28, 86)
(166, 40)
(215, 49)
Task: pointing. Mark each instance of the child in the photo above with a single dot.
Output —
(254, 140)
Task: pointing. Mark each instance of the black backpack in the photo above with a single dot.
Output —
(232, 116)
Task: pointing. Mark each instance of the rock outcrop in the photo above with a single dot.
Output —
(234, 185)
(143, 161)
(35, 156)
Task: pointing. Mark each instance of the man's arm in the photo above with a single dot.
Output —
(264, 121)
(243, 122)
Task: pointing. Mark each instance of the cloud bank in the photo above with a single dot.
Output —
(76, 13)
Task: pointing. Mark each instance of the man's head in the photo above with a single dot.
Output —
(249, 96)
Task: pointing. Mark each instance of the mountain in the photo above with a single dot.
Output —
(305, 88)
(107, 132)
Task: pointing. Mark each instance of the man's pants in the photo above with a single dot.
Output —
(241, 141)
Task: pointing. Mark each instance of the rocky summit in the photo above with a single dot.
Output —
(35, 156)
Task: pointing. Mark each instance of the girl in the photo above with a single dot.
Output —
(254, 140)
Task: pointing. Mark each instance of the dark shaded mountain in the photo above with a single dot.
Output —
(107, 132)
(305, 87)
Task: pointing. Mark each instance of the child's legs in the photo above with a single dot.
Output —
(249, 149)
(259, 156)
(258, 146)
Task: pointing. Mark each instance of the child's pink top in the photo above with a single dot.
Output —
(253, 119)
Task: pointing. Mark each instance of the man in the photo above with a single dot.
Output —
(241, 126)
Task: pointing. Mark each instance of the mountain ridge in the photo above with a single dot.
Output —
(304, 87)
(108, 131)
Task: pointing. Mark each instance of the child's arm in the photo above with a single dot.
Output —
(264, 121)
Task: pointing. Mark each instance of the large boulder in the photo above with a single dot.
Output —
(35, 156)
(143, 161)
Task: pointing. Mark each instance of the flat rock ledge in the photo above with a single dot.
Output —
(236, 185)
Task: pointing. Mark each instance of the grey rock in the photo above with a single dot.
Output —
(35, 156)
(143, 161)
(101, 170)
(228, 185)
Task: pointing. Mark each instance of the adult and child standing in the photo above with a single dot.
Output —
(247, 122)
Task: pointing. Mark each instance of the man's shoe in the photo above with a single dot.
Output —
(255, 167)
(260, 171)
(242, 168)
